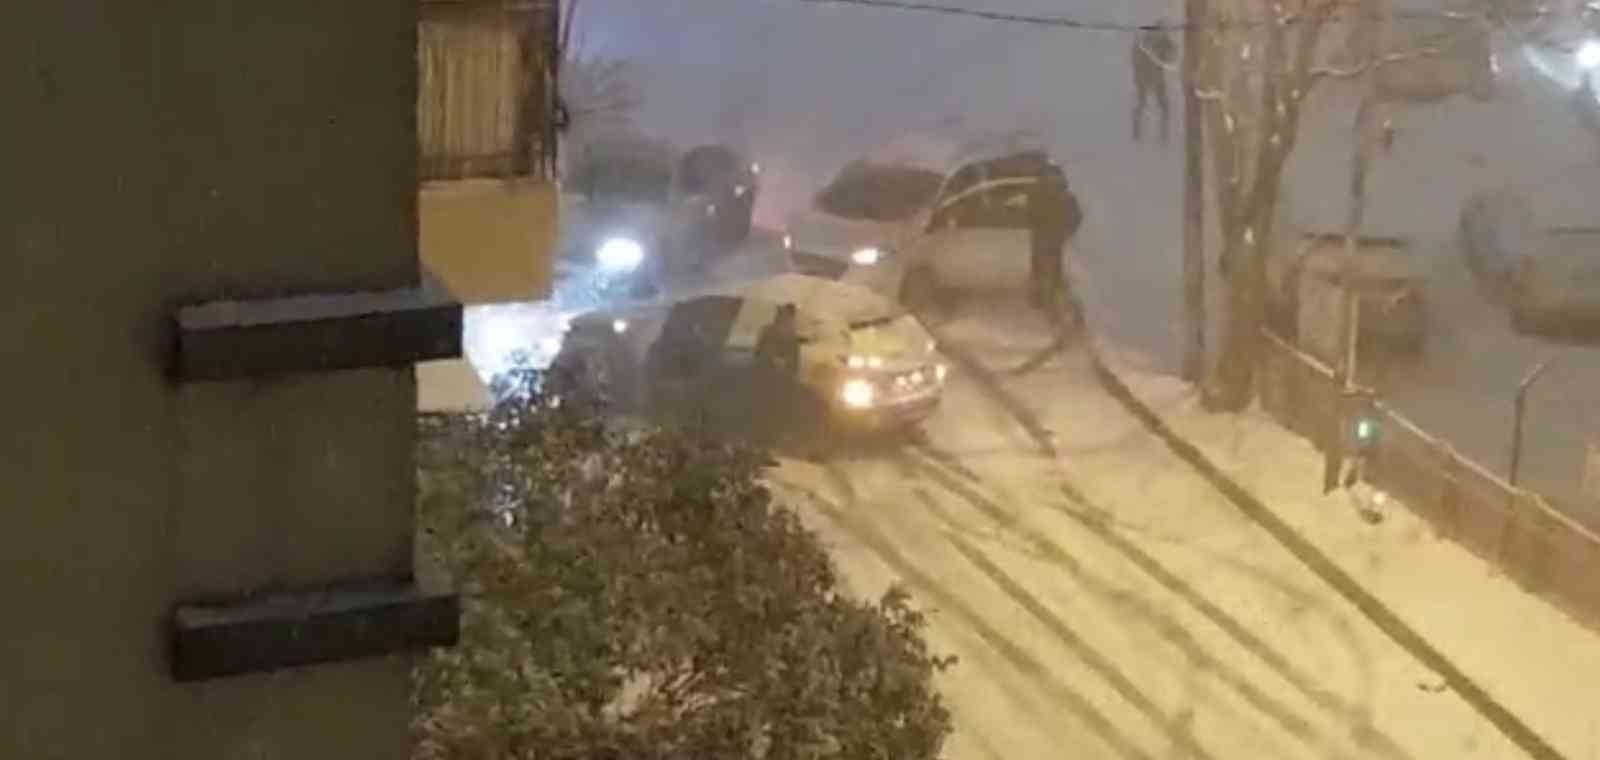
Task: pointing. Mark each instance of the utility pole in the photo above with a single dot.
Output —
(1519, 411)
(1350, 312)
(1194, 261)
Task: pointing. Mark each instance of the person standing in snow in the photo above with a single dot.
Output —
(778, 364)
(778, 345)
(1152, 50)
(1053, 218)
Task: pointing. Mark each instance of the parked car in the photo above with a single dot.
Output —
(866, 365)
(976, 240)
(1305, 300)
(637, 212)
(726, 184)
(1537, 246)
(861, 218)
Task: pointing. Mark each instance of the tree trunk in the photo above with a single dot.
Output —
(1247, 286)
(1194, 258)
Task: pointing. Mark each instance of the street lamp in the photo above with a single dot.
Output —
(1516, 422)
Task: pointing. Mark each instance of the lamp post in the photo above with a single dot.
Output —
(1517, 415)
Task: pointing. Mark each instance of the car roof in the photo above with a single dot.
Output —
(816, 297)
(1381, 258)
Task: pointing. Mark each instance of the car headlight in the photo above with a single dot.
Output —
(856, 361)
(619, 254)
(740, 190)
(867, 256)
(857, 393)
(1589, 54)
(940, 371)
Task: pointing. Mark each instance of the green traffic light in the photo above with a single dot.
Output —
(1365, 429)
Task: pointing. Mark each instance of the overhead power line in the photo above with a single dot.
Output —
(1068, 22)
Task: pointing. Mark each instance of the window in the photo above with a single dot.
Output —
(1002, 207)
(878, 193)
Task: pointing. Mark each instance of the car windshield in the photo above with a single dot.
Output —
(879, 193)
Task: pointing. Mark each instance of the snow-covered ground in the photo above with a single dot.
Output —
(1530, 656)
(809, 86)
(1107, 602)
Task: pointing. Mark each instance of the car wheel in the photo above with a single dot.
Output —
(921, 293)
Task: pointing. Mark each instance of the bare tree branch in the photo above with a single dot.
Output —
(1430, 51)
(565, 47)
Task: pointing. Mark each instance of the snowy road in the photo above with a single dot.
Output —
(1103, 599)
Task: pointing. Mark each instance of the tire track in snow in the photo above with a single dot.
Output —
(841, 482)
(992, 389)
(1040, 547)
(1102, 665)
(1359, 717)
(949, 602)
(1039, 360)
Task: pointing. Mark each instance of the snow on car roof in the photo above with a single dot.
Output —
(828, 299)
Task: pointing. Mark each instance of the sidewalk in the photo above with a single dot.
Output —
(1528, 656)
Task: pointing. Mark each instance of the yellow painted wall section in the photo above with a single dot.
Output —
(490, 241)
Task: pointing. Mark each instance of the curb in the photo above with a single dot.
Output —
(1303, 549)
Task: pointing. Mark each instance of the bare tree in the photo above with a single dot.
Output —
(598, 91)
(1262, 63)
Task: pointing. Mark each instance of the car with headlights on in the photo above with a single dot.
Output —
(630, 221)
(866, 366)
(1537, 246)
(860, 218)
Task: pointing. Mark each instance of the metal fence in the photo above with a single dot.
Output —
(1542, 550)
(486, 100)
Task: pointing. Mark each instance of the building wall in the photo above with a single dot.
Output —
(153, 154)
(475, 72)
(490, 241)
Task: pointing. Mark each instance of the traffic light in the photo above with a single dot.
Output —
(1361, 421)
(1360, 430)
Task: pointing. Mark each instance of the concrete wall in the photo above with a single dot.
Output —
(490, 241)
(154, 153)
